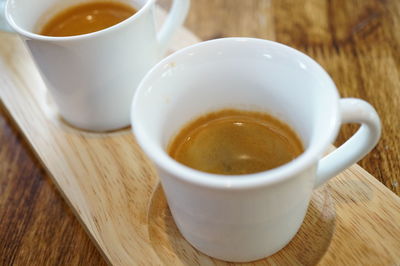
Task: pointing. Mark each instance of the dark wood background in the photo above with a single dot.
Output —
(356, 41)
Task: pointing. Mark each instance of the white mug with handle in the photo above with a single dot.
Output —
(92, 77)
(247, 217)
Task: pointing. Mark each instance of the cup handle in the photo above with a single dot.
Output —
(351, 111)
(173, 21)
(3, 22)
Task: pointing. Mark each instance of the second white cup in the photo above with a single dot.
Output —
(92, 77)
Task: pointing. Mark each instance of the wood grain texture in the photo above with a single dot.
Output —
(356, 41)
(36, 226)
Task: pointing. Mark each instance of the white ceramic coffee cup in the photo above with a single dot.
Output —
(92, 77)
(247, 217)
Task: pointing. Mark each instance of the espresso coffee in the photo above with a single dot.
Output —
(234, 142)
(86, 18)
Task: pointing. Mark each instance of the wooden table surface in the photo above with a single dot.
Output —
(358, 43)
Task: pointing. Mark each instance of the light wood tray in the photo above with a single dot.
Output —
(114, 190)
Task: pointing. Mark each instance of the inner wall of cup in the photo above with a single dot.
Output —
(32, 15)
(230, 86)
(270, 80)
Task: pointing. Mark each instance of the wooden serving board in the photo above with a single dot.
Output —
(114, 190)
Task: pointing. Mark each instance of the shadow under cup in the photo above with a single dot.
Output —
(246, 217)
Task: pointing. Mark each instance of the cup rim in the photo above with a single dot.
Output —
(36, 36)
(231, 182)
